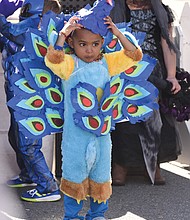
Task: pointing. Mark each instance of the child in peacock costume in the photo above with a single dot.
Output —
(30, 158)
(90, 94)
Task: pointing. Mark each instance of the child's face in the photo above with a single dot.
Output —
(86, 44)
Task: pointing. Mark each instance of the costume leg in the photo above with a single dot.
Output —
(36, 165)
(96, 209)
(72, 208)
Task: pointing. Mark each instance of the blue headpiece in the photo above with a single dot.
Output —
(31, 7)
(92, 17)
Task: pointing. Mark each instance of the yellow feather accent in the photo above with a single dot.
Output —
(64, 67)
(99, 93)
(100, 201)
(119, 62)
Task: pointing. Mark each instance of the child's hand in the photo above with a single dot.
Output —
(127, 45)
(113, 28)
(70, 26)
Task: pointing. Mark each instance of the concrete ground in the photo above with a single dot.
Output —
(137, 200)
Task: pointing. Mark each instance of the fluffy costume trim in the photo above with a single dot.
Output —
(135, 55)
(59, 62)
(55, 56)
(78, 191)
(98, 191)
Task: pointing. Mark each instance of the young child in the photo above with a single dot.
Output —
(86, 163)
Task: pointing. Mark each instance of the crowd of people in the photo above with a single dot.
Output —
(92, 161)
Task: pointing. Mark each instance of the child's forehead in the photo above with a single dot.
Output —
(86, 35)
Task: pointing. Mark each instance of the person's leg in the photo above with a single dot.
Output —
(47, 189)
(72, 208)
(36, 165)
(23, 178)
(58, 156)
(14, 142)
(97, 210)
(126, 151)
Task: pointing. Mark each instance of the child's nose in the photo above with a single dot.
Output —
(89, 49)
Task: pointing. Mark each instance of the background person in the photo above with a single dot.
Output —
(147, 144)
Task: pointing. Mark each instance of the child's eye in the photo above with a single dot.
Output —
(95, 44)
(82, 44)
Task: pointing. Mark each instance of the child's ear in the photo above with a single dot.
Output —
(70, 42)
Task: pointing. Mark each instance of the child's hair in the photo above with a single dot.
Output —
(52, 5)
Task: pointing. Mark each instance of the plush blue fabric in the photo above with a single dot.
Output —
(83, 150)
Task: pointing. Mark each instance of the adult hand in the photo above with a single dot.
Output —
(175, 85)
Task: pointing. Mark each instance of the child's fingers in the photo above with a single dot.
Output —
(108, 19)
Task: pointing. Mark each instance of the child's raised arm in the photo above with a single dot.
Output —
(69, 26)
(127, 45)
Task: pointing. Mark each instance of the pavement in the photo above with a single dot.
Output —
(137, 200)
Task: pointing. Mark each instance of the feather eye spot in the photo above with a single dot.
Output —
(55, 96)
(114, 88)
(37, 103)
(130, 70)
(115, 112)
(85, 101)
(58, 122)
(113, 43)
(130, 92)
(43, 79)
(93, 122)
(104, 128)
(38, 126)
(107, 104)
(132, 109)
(42, 50)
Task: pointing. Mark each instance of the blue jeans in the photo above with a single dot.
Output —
(13, 136)
(29, 156)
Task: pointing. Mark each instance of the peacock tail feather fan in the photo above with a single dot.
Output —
(38, 101)
(39, 98)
